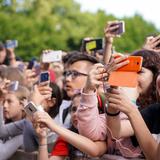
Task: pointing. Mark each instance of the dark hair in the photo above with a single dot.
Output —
(56, 93)
(151, 61)
(69, 55)
(82, 57)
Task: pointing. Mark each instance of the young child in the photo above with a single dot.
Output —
(62, 149)
(12, 107)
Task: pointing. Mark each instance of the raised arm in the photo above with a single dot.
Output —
(118, 101)
(80, 142)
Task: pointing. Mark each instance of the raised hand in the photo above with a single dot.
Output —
(118, 100)
(152, 43)
(43, 118)
(95, 77)
(40, 93)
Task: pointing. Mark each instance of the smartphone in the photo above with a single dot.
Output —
(121, 27)
(93, 44)
(31, 108)
(52, 56)
(127, 76)
(134, 65)
(31, 63)
(44, 76)
(11, 44)
(13, 86)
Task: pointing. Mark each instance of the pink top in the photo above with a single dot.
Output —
(91, 124)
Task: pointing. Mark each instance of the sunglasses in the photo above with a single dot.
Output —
(73, 74)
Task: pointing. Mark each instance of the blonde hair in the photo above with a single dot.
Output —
(21, 93)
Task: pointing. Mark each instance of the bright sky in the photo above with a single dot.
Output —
(149, 9)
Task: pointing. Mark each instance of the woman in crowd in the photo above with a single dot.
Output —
(148, 122)
(93, 125)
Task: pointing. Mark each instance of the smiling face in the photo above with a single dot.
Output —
(78, 82)
(145, 78)
(12, 107)
(74, 107)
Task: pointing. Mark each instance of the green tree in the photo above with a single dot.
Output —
(43, 24)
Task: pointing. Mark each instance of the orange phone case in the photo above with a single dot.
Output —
(127, 75)
(123, 79)
(134, 65)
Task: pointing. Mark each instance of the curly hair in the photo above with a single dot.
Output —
(151, 61)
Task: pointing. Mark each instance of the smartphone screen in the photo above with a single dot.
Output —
(44, 76)
(11, 44)
(94, 44)
(30, 109)
(52, 56)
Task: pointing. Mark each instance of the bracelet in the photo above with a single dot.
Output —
(42, 145)
(112, 114)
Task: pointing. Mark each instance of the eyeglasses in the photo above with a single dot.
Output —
(73, 74)
(73, 109)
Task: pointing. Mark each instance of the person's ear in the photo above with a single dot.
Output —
(23, 102)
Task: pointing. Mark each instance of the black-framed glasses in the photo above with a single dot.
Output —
(73, 74)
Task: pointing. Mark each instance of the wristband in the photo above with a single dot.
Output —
(42, 145)
(113, 114)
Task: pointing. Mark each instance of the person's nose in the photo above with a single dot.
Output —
(5, 104)
(68, 78)
(75, 114)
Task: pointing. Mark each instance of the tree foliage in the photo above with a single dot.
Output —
(43, 24)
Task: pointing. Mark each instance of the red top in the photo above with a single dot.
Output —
(52, 75)
(60, 148)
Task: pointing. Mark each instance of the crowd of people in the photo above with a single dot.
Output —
(79, 115)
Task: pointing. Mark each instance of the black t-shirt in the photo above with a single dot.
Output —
(151, 116)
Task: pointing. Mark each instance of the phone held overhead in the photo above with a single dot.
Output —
(51, 56)
(44, 77)
(11, 44)
(92, 44)
(118, 27)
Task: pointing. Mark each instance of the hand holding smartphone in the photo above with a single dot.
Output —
(31, 108)
(117, 28)
(93, 44)
(127, 75)
(44, 77)
(11, 44)
(51, 56)
(134, 65)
